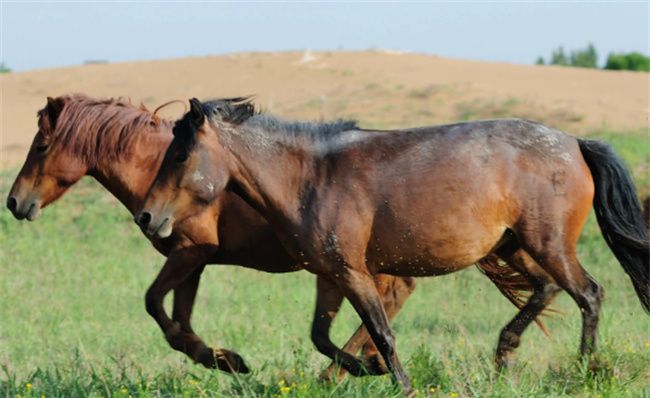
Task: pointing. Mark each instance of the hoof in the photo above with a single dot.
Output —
(597, 365)
(371, 365)
(222, 359)
(330, 374)
(230, 360)
(504, 361)
(375, 366)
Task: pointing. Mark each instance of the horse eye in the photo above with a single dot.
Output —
(181, 157)
(42, 148)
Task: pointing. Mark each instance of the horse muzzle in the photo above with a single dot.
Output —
(159, 227)
(21, 209)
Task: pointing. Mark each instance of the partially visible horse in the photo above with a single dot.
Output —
(353, 203)
(646, 211)
(121, 146)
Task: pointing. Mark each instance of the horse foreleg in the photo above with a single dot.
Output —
(187, 341)
(394, 291)
(328, 303)
(359, 289)
(182, 272)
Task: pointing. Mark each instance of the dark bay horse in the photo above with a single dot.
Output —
(121, 146)
(353, 203)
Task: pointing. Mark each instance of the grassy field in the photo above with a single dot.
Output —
(72, 320)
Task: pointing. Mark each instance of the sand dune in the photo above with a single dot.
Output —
(379, 88)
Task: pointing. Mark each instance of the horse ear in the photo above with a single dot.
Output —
(53, 110)
(55, 105)
(196, 111)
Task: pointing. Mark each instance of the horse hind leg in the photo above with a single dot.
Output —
(554, 251)
(585, 291)
(544, 290)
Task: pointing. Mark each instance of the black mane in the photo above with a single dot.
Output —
(231, 110)
(242, 112)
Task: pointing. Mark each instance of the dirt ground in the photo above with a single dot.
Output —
(381, 89)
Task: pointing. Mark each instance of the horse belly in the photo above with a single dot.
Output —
(433, 248)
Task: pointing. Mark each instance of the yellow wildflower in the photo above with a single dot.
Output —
(28, 386)
(453, 394)
(285, 389)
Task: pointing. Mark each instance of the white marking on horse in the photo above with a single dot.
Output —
(197, 176)
(566, 157)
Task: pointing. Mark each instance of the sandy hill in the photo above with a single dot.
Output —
(379, 88)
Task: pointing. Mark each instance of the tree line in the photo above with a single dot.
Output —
(588, 58)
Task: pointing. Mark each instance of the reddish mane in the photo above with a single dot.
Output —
(93, 128)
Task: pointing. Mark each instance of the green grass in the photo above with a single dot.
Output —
(72, 320)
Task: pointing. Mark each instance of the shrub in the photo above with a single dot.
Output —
(631, 61)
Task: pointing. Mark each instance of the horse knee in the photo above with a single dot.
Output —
(151, 303)
(321, 341)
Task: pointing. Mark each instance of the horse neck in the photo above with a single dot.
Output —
(270, 176)
(129, 176)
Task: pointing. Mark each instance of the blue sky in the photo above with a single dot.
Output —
(49, 34)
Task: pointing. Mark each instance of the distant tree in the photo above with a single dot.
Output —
(558, 57)
(587, 58)
(631, 61)
(4, 68)
(616, 62)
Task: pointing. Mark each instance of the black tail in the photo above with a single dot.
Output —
(619, 214)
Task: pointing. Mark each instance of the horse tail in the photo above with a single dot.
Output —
(619, 214)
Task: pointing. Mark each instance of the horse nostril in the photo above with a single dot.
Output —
(144, 219)
(12, 204)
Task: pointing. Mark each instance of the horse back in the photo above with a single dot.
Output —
(449, 193)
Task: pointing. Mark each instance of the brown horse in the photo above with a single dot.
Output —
(121, 146)
(354, 203)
